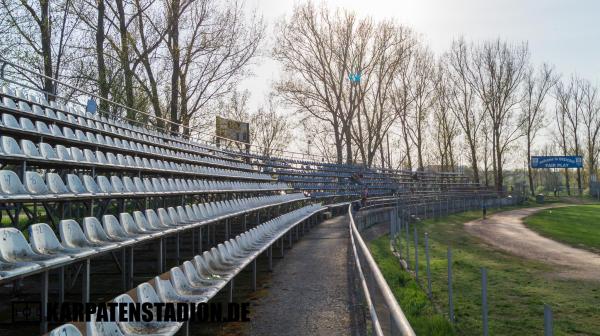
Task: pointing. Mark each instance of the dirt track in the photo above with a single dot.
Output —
(506, 231)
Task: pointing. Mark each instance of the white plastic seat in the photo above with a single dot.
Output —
(112, 159)
(91, 186)
(129, 185)
(153, 221)
(10, 121)
(139, 184)
(11, 147)
(42, 128)
(89, 156)
(38, 110)
(95, 233)
(44, 241)
(207, 272)
(76, 186)
(183, 286)
(64, 154)
(115, 230)
(102, 328)
(117, 185)
(101, 158)
(68, 133)
(11, 185)
(80, 135)
(140, 224)
(35, 185)
(65, 330)
(16, 269)
(104, 184)
(56, 131)
(30, 149)
(167, 293)
(134, 328)
(168, 217)
(56, 185)
(8, 102)
(197, 278)
(77, 154)
(27, 125)
(148, 185)
(146, 293)
(50, 113)
(71, 235)
(14, 249)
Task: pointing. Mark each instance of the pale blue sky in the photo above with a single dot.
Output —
(561, 32)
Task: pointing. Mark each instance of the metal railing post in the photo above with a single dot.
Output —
(416, 236)
(428, 268)
(450, 298)
(484, 303)
(548, 321)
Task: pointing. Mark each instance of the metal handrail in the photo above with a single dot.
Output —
(400, 322)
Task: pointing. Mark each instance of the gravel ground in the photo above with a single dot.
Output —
(505, 230)
(312, 291)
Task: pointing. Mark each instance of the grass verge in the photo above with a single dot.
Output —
(517, 288)
(577, 225)
(422, 315)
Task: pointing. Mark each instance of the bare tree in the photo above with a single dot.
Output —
(313, 47)
(497, 73)
(536, 87)
(446, 127)
(217, 50)
(423, 99)
(462, 100)
(571, 100)
(271, 128)
(563, 95)
(591, 121)
(387, 55)
(37, 34)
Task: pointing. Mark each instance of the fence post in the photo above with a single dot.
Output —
(450, 299)
(427, 260)
(407, 244)
(548, 321)
(416, 252)
(484, 304)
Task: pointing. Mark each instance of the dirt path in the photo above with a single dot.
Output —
(506, 231)
(312, 290)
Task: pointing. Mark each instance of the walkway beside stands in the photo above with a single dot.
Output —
(311, 293)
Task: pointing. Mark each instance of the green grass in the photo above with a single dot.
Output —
(414, 302)
(578, 226)
(517, 288)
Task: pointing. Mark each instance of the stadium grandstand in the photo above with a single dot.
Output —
(83, 195)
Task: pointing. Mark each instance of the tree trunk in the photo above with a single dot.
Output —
(348, 135)
(124, 60)
(175, 54)
(46, 37)
(103, 86)
(529, 170)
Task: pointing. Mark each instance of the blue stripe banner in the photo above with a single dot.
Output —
(556, 162)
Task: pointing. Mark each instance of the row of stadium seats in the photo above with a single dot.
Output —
(17, 258)
(9, 147)
(28, 149)
(11, 187)
(197, 280)
(96, 125)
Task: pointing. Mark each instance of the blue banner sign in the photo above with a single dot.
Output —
(556, 162)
